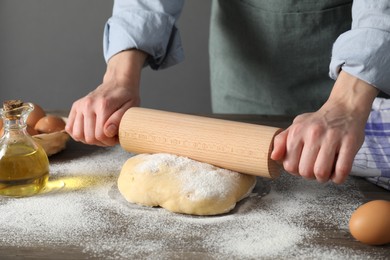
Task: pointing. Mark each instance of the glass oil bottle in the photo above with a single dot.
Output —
(24, 166)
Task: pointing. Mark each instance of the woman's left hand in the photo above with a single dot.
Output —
(322, 145)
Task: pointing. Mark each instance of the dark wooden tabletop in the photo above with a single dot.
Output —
(328, 236)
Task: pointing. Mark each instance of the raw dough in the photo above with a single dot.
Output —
(182, 185)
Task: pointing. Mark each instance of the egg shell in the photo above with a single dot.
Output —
(35, 115)
(31, 130)
(50, 124)
(370, 223)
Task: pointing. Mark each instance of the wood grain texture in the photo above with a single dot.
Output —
(237, 146)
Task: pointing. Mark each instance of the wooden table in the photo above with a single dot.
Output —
(327, 236)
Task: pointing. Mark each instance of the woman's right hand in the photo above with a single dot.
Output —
(94, 119)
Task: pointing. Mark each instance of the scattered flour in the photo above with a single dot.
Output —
(280, 221)
(209, 182)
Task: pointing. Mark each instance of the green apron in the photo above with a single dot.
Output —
(272, 56)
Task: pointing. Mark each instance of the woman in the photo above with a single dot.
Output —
(266, 57)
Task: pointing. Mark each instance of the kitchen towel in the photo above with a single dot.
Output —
(373, 159)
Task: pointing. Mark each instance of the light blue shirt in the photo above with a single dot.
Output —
(147, 25)
(150, 25)
(364, 51)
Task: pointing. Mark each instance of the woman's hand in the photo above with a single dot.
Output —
(322, 145)
(94, 119)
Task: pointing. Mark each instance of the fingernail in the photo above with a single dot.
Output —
(111, 131)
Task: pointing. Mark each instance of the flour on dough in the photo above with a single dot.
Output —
(182, 185)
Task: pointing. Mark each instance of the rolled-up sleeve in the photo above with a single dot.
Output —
(364, 51)
(147, 25)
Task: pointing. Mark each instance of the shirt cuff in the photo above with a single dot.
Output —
(153, 33)
(363, 53)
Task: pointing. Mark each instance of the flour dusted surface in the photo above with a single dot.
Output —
(282, 220)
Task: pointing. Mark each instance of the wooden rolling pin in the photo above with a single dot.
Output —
(240, 147)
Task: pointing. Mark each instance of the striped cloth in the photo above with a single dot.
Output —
(373, 159)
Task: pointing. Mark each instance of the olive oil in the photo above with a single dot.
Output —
(23, 171)
(24, 166)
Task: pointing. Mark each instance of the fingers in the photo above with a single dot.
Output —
(85, 124)
(89, 129)
(96, 122)
(343, 164)
(306, 164)
(75, 125)
(84, 131)
(70, 122)
(315, 152)
(323, 167)
(312, 160)
(318, 154)
(78, 127)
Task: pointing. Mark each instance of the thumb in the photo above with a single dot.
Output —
(111, 127)
(279, 146)
(111, 130)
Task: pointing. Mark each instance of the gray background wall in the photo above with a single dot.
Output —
(51, 54)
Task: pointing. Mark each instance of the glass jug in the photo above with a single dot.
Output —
(24, 165)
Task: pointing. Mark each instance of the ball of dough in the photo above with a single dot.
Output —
(182, 185)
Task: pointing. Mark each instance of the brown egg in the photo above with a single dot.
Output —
(31, 131)
(50, 124)
(1, 132)
(370, 223)
(35, 115)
